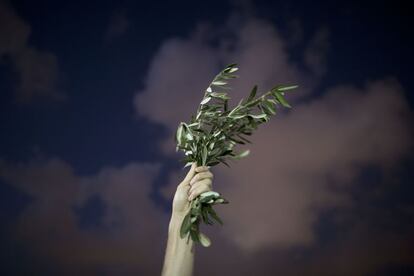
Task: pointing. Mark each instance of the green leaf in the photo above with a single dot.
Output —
(179, 134)
(189, 136)
(236, 140)
(219, 95)
(273, 101)
(194, 235)
(185, 226)
(209, 193)
(204, 155)
(213, 163)
(253, 103)
(214, 214)
(244, 139)
(224, 162)
(207, 199)
(282, 100)
(194, 219)
(270, 107)
(204, 216)
(231, 68)
(204, 240)
(226, 152)
(205, 100)
(252, 94)
(195, 212)
(236, 116)
(258, 116)
(193, 124)
(221, 200)
(217, 82)
(286, 88)
(242, 154)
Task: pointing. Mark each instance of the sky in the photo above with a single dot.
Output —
(91, 93)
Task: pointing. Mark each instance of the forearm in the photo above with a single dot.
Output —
(179, 255)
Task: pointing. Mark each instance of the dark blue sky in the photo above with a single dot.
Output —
(104, 51)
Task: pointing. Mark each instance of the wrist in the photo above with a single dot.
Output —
(176, 221)
(174, 234)
(180, 213)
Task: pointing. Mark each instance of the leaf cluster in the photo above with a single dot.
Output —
(212, 134)
(201, 210)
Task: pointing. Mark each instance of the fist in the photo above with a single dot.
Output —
(197, 181)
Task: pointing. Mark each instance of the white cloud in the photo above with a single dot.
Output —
(37, 70)
(176, 78)
(315, 54)
(302, 162)
(183, 68)
(133, 231)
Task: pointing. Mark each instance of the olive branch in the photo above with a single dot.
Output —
(209, 139)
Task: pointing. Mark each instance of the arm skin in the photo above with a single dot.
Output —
(179, 255)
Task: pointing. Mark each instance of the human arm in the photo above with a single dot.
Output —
(179, 255)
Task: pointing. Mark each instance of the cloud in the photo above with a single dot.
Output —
(183, 68)
(316, 53)
(132, 234)
(187, 65)
(365, 250)
(37, 70)
(303, 162)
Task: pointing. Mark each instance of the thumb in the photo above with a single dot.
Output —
(190, 173)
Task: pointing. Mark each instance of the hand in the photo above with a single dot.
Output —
(197, 181)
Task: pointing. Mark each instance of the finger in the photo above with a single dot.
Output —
(206, 181)
(204, 187)
(202, 168)
(200, 176)
(198, 191)
(190, 173)
(182, 188)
